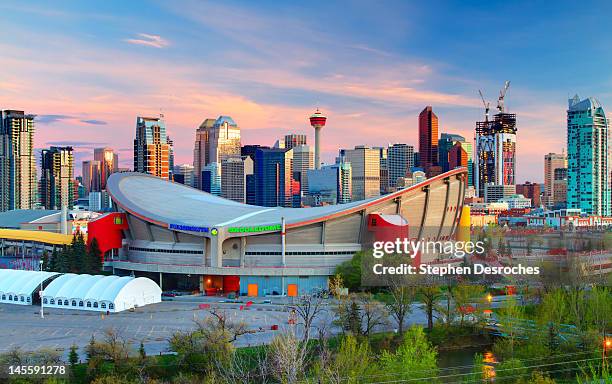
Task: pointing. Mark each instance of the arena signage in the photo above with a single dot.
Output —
(190, 228)
(258, 228)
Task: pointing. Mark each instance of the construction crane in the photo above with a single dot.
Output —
(502, 94)
(486, 105)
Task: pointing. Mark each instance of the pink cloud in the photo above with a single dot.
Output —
(188, 93)
(154, 41)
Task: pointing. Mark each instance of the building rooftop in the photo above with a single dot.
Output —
(13, 219)
(575, 104)
(225, 119)
(164, 203)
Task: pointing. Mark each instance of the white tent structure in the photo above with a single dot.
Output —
(17, 287)
(100, 293)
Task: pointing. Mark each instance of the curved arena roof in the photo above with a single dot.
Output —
(163, 202)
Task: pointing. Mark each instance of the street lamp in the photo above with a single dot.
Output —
(42, 313)
(489, 298)
(607, 345)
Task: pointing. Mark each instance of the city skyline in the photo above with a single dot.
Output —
(270, 83)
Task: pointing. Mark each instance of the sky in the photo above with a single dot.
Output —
(88, 69)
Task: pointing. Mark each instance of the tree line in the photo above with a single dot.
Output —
(75, 257)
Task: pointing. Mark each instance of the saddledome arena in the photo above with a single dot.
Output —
(185, 238)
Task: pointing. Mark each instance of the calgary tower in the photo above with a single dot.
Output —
(317, 121)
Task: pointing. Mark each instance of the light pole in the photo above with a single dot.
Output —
(607, 344)
(42, 313)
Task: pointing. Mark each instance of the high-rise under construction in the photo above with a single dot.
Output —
(495, 161)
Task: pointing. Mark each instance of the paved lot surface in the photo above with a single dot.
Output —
(153, 324)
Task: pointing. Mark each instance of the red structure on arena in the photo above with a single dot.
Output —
(390, 228)
(108, 231)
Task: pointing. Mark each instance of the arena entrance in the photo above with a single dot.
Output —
(215, 285)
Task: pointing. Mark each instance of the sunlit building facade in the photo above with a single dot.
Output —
(293, 140)
(151, 149)
(18, 183)
(91, 174)
(108, 163)
(400, 161)
(365, 171)
(303, 160)
(588, 157)
(234, 172)
(200, 150)
(57, 178)
(428, 138)
(552, 161)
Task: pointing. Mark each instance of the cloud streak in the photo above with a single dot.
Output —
(50, 119)
(269, 82)
(94, 122)
(148, 40)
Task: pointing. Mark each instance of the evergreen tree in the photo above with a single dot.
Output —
(52, 264)
(86, 265)
(77, 253)
(45, 262)
(63, 260)
(73, 356)
(94, 258)
(90, 350)
(141, 352)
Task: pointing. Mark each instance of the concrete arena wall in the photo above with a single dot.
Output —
(270, 285)
(432, 209)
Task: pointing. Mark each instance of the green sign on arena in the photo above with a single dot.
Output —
(259, 228)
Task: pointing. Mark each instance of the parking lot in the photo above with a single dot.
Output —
(153, 324)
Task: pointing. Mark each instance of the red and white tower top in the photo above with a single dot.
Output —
(318, 119)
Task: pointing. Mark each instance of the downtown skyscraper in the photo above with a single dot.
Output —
(292, 140)
(234, 173)
(588, 157)
(495, 157)
(553, 162)
(303, 160)
(151, 149)
(273, 177)
(400, 160)
(18, 183)
(108, 164)
(91, 175)
(428, 139)
(365, 171)
(57, 178)
(200, 150)
(215, 141)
